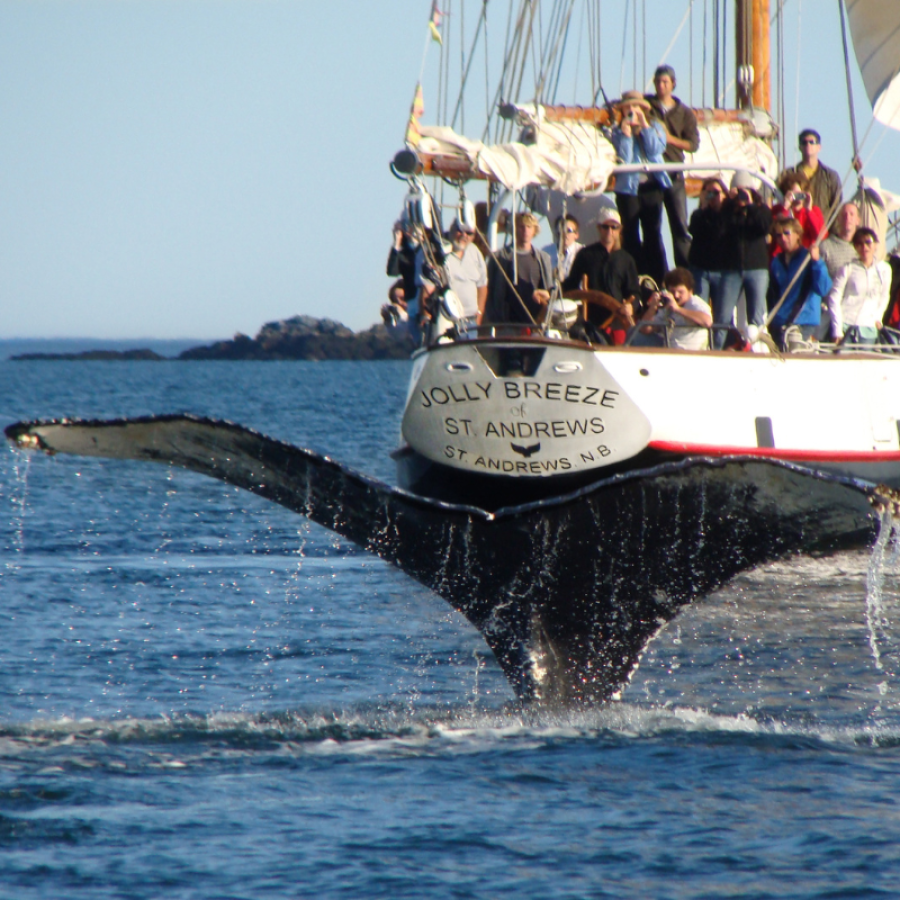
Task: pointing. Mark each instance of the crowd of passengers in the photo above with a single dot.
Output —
(736, 243)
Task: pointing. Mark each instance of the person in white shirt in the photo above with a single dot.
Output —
(567, 226)
(466, 271)
(678, 306)
(860, 293)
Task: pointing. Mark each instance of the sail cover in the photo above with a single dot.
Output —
(566, 156)
(574, 157)
(875, 27)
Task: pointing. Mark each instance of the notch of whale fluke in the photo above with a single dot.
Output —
(568, 591)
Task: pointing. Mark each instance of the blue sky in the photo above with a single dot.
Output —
(194, 169)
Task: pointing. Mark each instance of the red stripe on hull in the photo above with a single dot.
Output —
(824, 456)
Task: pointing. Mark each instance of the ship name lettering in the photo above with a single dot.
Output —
(453, 426)
(457, 393)
(601, 450)
(536, 467)
(552, 390)
(559, 428)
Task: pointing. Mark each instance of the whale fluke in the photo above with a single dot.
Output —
(567, 591)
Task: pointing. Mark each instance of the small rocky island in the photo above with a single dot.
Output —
(300, 337)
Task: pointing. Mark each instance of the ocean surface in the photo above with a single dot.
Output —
(204, 696)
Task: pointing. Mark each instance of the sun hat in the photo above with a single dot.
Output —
(633, 98)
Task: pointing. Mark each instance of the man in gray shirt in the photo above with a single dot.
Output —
(837, 249)
(466, 272)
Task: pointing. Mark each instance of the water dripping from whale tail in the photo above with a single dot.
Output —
(884, 556)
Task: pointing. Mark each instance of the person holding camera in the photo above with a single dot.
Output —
(677, 312)
(798, 204)
(640, 137)
(707, 231)
(745, 255)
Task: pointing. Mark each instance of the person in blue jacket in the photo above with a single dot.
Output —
(803, 305)
(640, 137)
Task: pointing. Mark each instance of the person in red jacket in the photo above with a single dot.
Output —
(798, 205)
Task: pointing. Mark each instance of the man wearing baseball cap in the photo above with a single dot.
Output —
(608, 268)
(682, 135)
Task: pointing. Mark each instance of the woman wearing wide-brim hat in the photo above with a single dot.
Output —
(641, 138)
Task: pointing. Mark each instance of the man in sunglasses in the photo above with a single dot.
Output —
(824, 183)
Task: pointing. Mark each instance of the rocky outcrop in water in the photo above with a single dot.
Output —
(305, 337)
(300, 337)
(93, 355)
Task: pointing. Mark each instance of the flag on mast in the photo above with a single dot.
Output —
(413, 134)
(434, 23)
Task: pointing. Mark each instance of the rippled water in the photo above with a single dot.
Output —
(205, 696)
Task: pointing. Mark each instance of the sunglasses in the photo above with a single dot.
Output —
(610, 225)
(571, 231)
(808, 141)
(864, 242)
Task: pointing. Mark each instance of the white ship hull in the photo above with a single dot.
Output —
(543, 414)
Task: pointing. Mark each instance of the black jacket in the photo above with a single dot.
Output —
(746, 229)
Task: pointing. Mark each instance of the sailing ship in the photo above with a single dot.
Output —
(515, 413)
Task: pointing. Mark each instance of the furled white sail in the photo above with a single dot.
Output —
(567, 156)
(571, 156)
(875, 27)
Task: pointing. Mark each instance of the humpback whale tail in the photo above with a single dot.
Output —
(566, 591)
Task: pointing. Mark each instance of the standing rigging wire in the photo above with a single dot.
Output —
(459, 110)
(634, 50)
(551, 50)
(581, 30)
(462, 64)
(562, 52)
(529, 44)
(849, 85)
(691, 53)
(537, 47)
(644, 42)
(703, 79)
(797, 94)
(514, 69)
(715, 30)
(492, 107)
(487, 77)
(781, 104)
(724, 53)
(675, 36)
(624, 47)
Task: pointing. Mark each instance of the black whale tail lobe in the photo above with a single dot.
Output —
(567, 591)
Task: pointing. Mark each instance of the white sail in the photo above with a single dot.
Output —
(875, 27)
(570, 156)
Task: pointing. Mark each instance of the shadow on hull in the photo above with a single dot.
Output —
(566, 591)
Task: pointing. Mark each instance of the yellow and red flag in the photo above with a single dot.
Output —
(413, 134)
(434, 23)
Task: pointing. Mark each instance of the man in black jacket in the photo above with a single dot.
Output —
(682, 135)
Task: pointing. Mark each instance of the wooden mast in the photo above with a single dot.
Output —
(752, 53)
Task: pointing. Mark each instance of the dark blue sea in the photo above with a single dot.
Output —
(204, 696)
